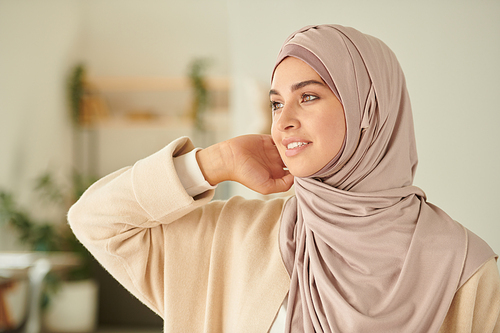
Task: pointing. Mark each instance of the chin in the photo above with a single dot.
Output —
(300, 173)
(303, 171)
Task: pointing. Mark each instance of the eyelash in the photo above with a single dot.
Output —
(275, 105)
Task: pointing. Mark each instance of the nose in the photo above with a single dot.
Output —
(286, 119)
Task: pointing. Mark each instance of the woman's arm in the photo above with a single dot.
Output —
(126, 219)
(122, 219)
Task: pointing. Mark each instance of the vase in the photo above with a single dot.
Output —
(73, 308)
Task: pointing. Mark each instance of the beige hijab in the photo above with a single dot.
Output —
(365, 251)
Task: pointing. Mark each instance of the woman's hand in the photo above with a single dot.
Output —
(251, 160)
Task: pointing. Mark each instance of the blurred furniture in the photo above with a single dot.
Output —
(136, 116)
(6, 321)
(34, 266)
(133, 117)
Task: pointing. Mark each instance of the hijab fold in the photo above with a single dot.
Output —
(364, 249)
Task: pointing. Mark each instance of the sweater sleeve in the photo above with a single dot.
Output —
(476, 305)
(190, 174)
(202, 265)
(122, 218)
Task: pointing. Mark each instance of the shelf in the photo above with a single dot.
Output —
(126, 122)
(134, 84)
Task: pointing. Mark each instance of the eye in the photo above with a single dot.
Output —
(309, 98)
(275, 106)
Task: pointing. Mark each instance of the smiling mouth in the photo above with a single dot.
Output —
(296, 145)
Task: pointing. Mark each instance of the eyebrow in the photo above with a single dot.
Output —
(297, 86)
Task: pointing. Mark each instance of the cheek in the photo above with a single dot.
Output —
(277, 142)
(274, 134)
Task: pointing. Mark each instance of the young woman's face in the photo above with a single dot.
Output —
(308, 120)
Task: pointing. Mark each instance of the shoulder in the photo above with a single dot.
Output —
(476, 305)
(239, 213)
(235, 218)
(255, 207)
(478, 253)
(485, 282)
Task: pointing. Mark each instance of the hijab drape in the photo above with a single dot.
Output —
(364, 249)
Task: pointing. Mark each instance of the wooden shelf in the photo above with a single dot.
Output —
(115, 84)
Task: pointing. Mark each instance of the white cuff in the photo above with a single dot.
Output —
(190, 174)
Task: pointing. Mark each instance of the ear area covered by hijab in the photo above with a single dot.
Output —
(364, 249)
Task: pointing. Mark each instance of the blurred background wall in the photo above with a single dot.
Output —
(41, 42)
(449, 51)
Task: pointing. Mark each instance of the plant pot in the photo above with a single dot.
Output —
(73, 308)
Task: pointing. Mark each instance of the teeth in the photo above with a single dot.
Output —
(296, 144)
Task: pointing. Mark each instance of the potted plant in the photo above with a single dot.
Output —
(54, 236)
(199, 85)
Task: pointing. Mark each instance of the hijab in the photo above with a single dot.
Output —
(364, 249)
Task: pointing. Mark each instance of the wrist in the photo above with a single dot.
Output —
(212, 165)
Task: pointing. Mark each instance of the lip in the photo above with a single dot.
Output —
(296, 150)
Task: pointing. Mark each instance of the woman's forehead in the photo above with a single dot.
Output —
(293, 69)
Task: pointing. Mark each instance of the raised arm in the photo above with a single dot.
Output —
(142, 225)
(123, 217)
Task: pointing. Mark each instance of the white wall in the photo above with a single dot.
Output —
(38, 43)
(154, 37)
(449, 51)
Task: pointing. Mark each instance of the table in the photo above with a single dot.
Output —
(33, 266)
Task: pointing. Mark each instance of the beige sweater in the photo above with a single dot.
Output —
(214, 266)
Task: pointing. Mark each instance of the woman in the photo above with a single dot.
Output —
(357, 249)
